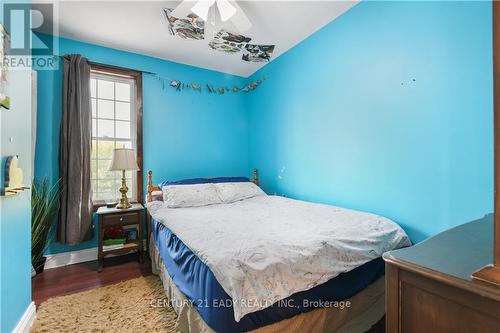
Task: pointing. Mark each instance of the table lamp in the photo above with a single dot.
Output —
(123, 159)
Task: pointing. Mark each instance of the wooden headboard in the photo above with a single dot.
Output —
(151, 188)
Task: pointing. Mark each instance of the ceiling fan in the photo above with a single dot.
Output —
(211, 11)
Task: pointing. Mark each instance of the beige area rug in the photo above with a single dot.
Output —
(137, 305)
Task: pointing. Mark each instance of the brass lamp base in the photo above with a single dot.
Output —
(123, 204)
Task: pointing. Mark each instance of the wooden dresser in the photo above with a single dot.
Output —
(429, 286)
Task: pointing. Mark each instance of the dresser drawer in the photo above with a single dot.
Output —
(121, 219)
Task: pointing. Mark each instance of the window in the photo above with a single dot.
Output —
(115, 117)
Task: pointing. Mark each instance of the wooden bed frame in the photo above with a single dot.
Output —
(152, 188)
(320, 318)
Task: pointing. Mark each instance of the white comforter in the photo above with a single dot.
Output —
(266, 248)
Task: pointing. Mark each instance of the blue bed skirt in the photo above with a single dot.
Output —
(195, 280)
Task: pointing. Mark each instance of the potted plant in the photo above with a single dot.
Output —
(44, 208)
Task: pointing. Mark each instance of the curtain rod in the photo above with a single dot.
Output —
(117, 67)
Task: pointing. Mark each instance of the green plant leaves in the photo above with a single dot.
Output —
(44, 208)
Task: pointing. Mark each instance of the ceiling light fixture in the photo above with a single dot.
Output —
(228, 10)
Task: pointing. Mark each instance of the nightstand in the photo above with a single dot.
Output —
(120, 217)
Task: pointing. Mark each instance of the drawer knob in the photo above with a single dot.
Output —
(121, 219)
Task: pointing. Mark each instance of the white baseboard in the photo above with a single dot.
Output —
(24, 324)
(72, 257)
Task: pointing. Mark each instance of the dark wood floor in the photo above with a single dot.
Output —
(80, 277)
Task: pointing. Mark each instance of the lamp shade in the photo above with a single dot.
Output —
(123, 159)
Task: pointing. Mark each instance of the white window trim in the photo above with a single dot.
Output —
(132, 194)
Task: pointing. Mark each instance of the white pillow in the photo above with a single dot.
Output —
(179, 196)
(231, 192)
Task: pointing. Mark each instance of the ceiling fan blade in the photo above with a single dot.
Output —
(239, 19)
(183, 9)
(213, 23)
(210, 31)
(201, 8)
(226, 10)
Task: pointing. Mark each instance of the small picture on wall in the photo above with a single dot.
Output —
(228, 42)
(4, 86)
(191, 27)
(257, 53)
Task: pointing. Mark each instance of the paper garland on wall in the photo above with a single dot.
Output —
(194, 86)
(211, 89)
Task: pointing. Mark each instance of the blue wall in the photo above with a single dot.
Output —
(15, 211)
(386, 109)
(186, 133)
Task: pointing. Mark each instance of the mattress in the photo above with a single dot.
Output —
(265, 249)
(204, 293)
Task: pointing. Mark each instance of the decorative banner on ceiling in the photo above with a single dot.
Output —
(191, 27)
(211, 89)
(228, 42)
(257, 53)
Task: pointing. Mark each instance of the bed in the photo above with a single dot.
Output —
(253, 262)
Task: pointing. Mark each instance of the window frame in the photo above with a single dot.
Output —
(137, 77)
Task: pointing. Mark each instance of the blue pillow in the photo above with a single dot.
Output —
(192, 181)
(230, 180)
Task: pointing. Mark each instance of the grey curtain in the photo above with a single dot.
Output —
(74, 152)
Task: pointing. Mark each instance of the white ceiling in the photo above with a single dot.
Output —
(141, 27)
